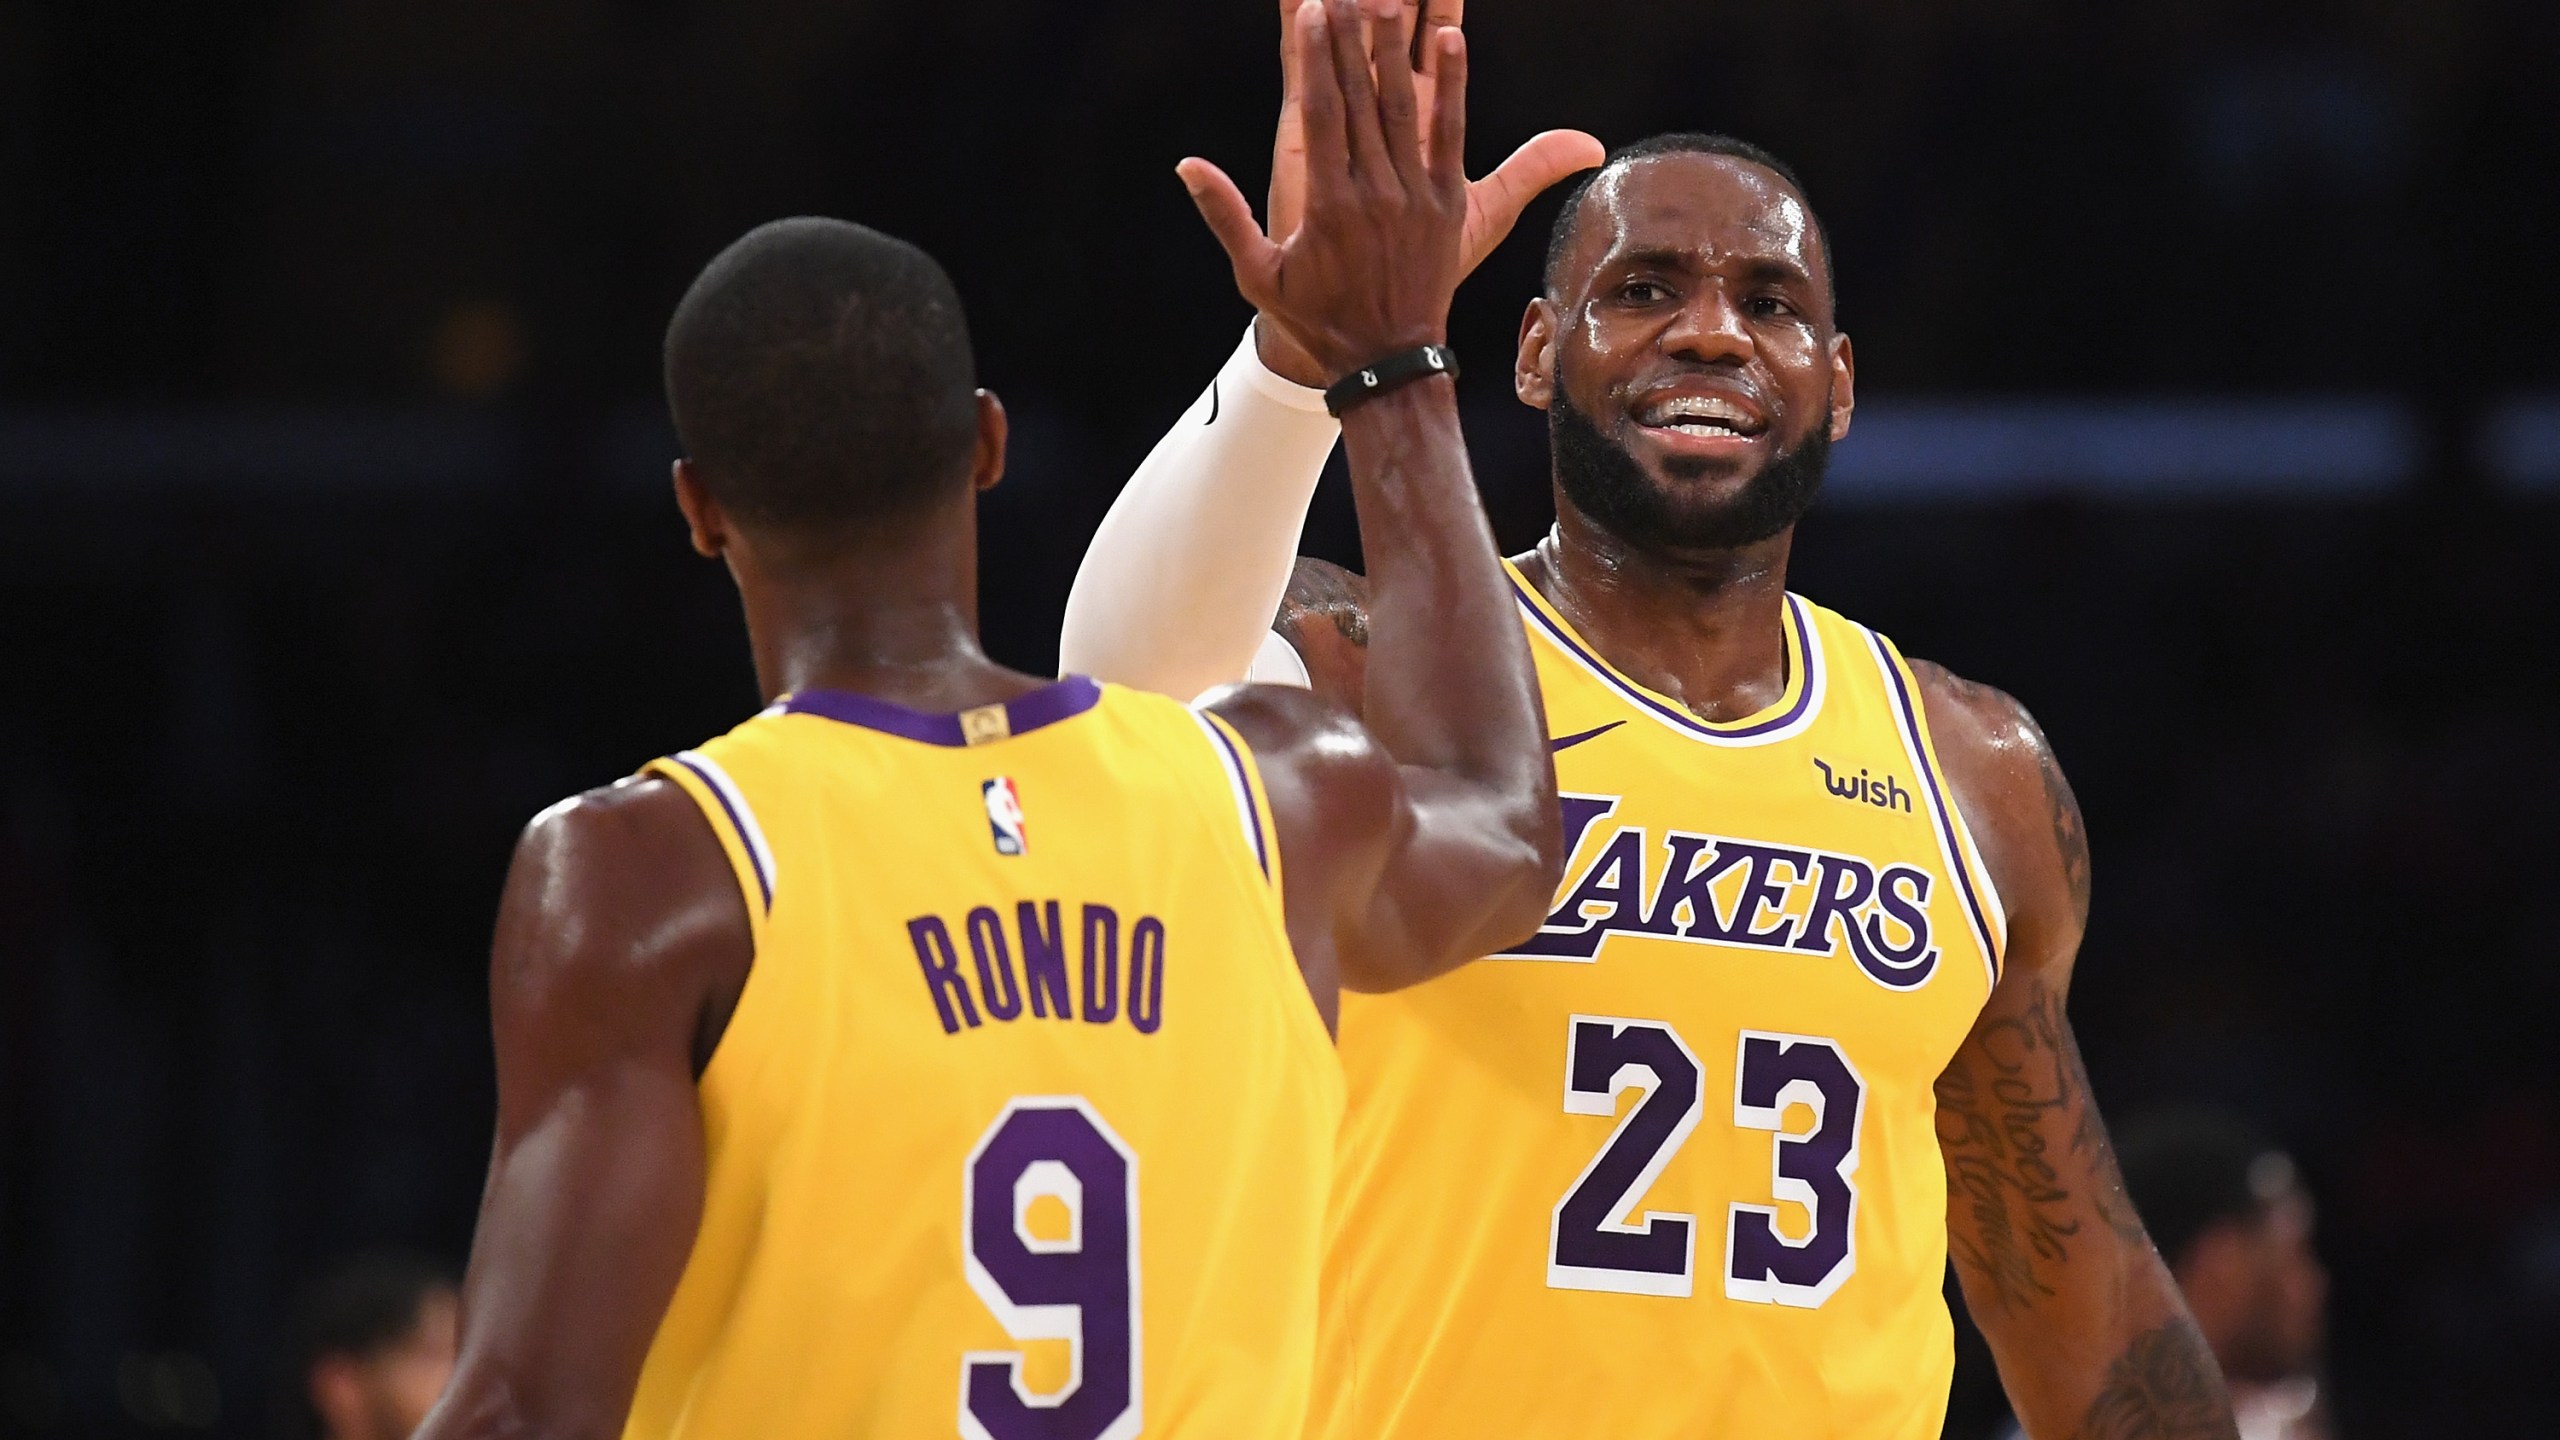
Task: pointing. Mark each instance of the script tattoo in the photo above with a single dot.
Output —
(2018, 1131)
(2164, 1387)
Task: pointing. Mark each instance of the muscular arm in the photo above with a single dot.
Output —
(1426, 835)
(2091, 1336)
(621, 943)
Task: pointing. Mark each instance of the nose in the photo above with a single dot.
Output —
(1709, 329)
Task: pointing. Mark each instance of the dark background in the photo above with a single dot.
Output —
(332, 489)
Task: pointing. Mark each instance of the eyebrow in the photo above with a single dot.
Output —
(1763, 271)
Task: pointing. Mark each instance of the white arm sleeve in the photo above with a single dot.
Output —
(1177, 592)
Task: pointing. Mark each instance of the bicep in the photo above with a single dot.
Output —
(1452, 854)
(2088, 1329)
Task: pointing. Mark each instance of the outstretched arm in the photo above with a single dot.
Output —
(2091, 1335)
(621, 942)
(1177, 590)
(1178, 586)
(1427, 834)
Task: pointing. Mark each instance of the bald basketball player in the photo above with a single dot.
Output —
(1690, 1157)
(943, 1050)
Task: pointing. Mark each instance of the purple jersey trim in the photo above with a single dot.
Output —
(737, 824)
(1673, 713)
(1940, 805)
(1051, 703)
(1252, 811)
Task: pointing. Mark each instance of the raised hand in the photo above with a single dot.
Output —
(1370, 269)
(1494, 203)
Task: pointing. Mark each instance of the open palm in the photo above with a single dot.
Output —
(1494, 203)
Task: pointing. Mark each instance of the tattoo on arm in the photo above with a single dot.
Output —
(2070, 836)
(2163, 1387)
(2016, 1125)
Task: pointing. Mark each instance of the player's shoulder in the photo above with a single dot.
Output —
(1295, 727)
(1324, 615)
(627, 817)
(1326, 775)
(636, 858)
(1976, 725)
(2009, 785)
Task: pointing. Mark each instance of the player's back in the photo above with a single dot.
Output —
(1025, 1118)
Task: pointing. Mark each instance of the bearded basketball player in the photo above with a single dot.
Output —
(1690, 1159)
(943, 1051)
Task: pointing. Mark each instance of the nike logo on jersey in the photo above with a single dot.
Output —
(1567, 742)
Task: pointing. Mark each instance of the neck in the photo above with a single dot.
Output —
(1706, 628)
(892, 613)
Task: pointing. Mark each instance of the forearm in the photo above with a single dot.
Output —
(1179, 586)
(1451, 688)
(2091, 1335)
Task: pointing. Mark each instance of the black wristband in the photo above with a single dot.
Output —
(1393, 373)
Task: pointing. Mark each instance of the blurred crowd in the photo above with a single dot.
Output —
(499, 199)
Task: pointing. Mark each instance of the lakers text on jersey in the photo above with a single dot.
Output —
(1024, 1124)
(1670, 1168)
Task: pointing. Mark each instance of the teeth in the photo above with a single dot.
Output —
(1698, 414)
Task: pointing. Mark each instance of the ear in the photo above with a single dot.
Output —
(986, 463)
(702, 517)
(337, 1396)
(1844, 386)
(1533, 370)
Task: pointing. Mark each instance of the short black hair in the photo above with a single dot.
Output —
(2189, 1171)
(1677, 142)
(357, 1308)
(820, 375)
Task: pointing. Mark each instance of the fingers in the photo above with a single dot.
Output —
(1230, 218)
(1399, 107)
(1438, 15)
(1288, 55)
(1499, 197)
(1320, 103)
(1449, 114)
(1348, 22)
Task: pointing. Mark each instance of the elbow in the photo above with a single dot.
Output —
(1537, 827)
(1516, 904)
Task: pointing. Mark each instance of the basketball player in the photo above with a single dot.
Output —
(943, 1051)
(1689, 1158)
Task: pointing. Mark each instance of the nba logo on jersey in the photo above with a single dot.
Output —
(1004, 814)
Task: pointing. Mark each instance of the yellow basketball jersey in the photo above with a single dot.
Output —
(1672, 1170)
(1025, 1123)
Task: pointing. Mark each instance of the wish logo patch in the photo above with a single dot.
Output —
(1004, 815)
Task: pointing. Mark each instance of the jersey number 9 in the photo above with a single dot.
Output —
(1080, 1287)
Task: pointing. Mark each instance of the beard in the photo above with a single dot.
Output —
(1607, 484)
